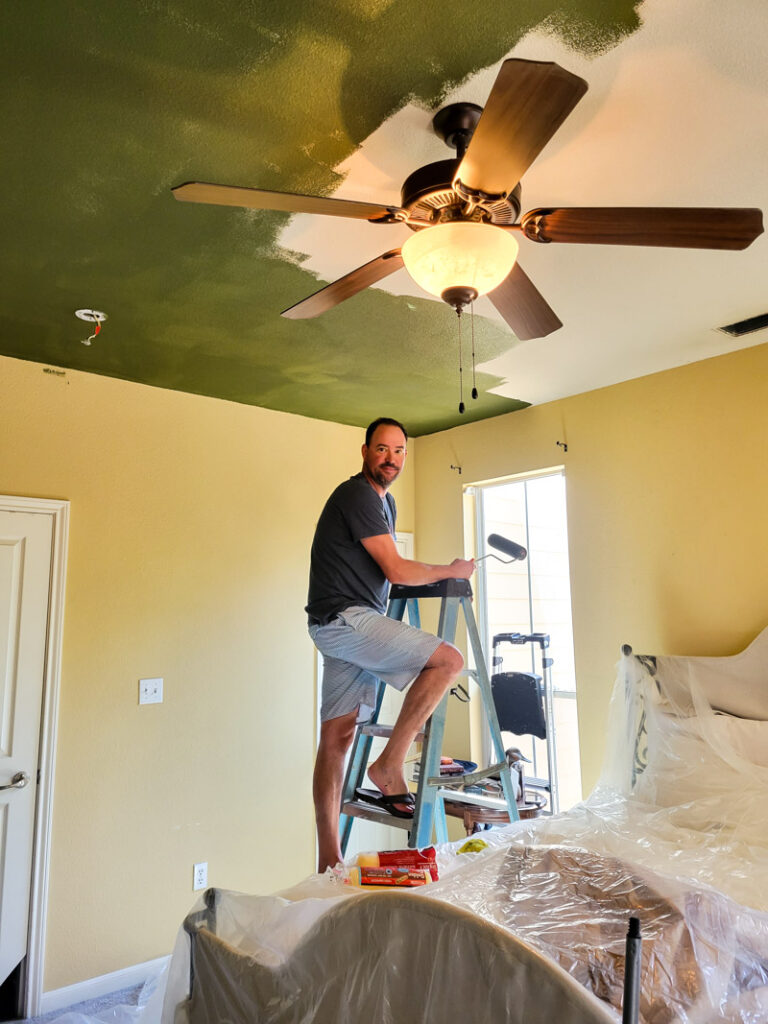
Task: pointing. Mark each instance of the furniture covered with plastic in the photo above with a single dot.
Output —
(533, 928)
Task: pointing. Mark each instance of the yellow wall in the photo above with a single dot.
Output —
(667, 491)
(191, 522)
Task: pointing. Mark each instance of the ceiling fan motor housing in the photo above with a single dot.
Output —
(428, 194)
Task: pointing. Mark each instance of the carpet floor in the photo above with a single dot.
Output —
(103, 1009)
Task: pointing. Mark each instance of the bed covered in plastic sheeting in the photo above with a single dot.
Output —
(533, 928)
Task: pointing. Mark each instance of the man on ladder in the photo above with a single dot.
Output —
(354, 559)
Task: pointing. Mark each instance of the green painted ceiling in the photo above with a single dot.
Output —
(107, 104)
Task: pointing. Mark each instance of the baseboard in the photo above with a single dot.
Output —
(94, 988)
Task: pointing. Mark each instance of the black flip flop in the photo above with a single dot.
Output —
(387, 803)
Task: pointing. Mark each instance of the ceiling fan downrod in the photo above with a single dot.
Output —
(455, 124)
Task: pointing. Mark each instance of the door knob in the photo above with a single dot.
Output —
(19, 781)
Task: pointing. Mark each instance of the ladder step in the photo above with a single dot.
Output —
(494, 803)
(468, 779)
(386, 730)
(358, 809)
(534, 783)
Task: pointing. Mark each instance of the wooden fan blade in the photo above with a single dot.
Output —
(689, 228)
(289, 202)
(523, 306)
(352, 283)
(528, 103)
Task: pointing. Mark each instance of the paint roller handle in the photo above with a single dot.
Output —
(515, 551)
(632, 960)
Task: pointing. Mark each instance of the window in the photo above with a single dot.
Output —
(532, 596)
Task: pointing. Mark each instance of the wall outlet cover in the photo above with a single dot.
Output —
(151, 691)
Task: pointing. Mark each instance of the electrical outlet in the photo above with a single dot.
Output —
(200, 876)
(150, 691)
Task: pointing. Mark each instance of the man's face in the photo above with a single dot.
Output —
(385, 456)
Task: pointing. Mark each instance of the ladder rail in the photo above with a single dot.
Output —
(356, 769)
(429, 810)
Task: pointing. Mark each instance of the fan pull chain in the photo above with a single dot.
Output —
(472, 324)
(461, 369)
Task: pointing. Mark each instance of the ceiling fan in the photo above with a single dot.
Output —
(464, 211)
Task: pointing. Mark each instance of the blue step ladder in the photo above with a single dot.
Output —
(429, 811)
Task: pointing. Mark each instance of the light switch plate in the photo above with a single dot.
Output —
(150, 691)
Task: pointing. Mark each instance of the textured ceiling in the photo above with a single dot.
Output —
(106, 105)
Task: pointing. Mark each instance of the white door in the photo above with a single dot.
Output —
(25, 579)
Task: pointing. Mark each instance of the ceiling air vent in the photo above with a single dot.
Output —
(741, 327)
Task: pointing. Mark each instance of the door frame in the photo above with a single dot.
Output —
(38, 909)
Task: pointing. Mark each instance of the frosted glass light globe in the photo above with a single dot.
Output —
(460, 255)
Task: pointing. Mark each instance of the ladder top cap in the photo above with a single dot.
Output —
(443, 588)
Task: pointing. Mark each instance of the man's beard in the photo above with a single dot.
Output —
(381, 478)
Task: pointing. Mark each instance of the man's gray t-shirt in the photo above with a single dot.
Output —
(342, 573)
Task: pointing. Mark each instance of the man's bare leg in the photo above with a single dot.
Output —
(336, 736)
(424, 694)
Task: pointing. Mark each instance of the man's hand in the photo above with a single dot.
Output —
(397, 569)
(462, 568)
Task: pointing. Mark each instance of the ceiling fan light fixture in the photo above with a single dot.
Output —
(474, 258)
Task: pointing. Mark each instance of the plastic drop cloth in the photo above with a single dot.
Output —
(533, 928)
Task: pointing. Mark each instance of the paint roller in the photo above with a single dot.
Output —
(515, 551)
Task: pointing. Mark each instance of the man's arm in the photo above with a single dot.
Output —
(397, 569)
